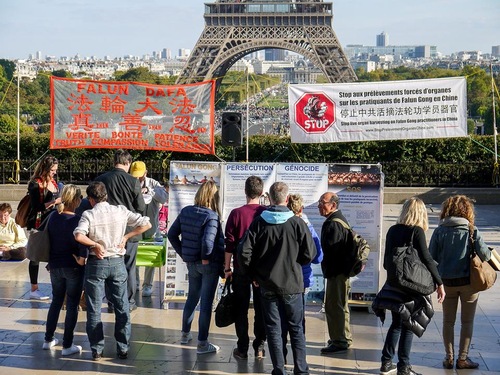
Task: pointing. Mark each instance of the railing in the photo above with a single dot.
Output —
(397, 174)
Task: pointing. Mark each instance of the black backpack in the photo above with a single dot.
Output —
(357, 255)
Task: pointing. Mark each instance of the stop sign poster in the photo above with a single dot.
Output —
(348, 112)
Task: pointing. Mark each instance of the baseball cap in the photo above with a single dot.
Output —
(138, 168)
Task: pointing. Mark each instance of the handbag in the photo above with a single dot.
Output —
(38, 247)
(225, 312)
(482, 275)
(23, 209)
(407, 272)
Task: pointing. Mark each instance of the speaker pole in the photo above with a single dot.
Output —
(248, 112)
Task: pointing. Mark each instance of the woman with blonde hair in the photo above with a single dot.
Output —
(197, 236)
(66, 274)
(409, 228)
(450, 246)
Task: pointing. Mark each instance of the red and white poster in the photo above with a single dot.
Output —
(100, 114)
(348, 112)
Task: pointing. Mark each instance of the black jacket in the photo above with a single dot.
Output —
(124, 189)
(334, 241)
(416, 310)
(274, 249)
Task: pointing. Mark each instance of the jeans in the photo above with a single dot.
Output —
(294, 314)
(468, 302)
(203, 280)
(109, 272)
(242, 286)
(337, 310)
(65, 281)
(397, 331)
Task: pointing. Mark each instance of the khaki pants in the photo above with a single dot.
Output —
(468, 302)
(337, 310)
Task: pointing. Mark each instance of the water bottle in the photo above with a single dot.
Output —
(158, 237)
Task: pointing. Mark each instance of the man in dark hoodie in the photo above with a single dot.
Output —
(276, 246)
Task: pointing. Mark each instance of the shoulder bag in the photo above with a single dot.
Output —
(225, 312)
(407, 272)
(23, 209)
(482, 275)
(38, 247)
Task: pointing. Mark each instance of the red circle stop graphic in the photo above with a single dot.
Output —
(314, 112)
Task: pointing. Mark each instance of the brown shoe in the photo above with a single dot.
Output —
(448, 362)
(466, 363)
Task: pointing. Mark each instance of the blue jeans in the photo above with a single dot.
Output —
(203, 280)
(109, 272)
(65, 281)
(397, 331)
(293, 310)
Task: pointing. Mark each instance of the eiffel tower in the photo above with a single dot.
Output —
(236, 28)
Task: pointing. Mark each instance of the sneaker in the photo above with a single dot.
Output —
(407, 371)
(207, 348)
(448, 363)
(260, 353)
(122, 355)
(38, 295)
(466, 363)
(73, 349)
(147, 291)
(388, 368)
(49, 344)
(239, 355)
(186, 338)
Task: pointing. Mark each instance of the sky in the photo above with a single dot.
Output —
(132, 27)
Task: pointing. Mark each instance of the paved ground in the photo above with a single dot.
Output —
(155, 347)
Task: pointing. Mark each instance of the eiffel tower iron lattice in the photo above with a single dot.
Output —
(235, 28)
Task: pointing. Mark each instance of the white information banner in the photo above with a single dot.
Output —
(348, 112)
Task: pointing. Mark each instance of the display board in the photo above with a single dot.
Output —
(359, 187)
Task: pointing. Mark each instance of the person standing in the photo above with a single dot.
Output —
(123, 189)
(237, 223)
(335, 244)
(272, 252)
(450, 246)
(66, 275)
(411, 225)
(44, 196)
(12, 238)
(196, 235)
(105, 229)
(154, 195)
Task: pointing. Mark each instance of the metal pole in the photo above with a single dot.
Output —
(18, 119)
(494, 112)
(248, 115)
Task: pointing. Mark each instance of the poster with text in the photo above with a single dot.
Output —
(371, 111)
(132, 115)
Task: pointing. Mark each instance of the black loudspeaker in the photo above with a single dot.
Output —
(231, 134)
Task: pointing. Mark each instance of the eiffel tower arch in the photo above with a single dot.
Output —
(236, 28)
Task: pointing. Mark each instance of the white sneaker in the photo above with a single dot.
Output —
(147, 291)
(50, 344)
(72, 350)
(208, 348)
(186, 337)
(38, 295)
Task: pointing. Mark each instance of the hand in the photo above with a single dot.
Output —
(4, 248)
(99, 251)
(122, 244)
(228, 275)
(440, 293)
(255, 284)
(79, 260)
(205, 261)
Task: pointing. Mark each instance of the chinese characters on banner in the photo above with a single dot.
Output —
(347, 112)
(99, 114)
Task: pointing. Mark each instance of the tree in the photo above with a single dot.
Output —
(9, 68)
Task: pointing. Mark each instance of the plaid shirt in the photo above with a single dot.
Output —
(106, 224)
